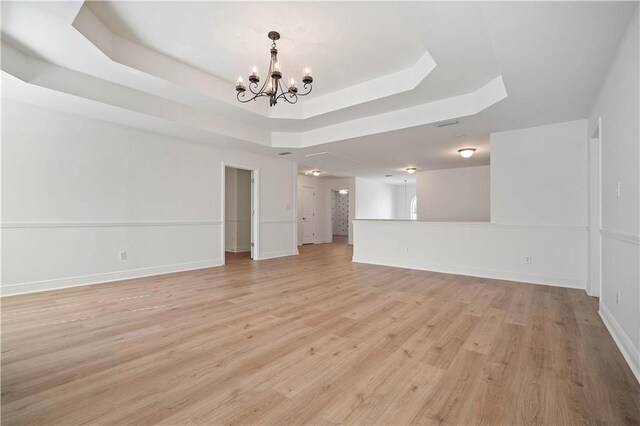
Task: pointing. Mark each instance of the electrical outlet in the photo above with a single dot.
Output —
(123, 255)
(618, 191)
(527, 259)
(618, 297)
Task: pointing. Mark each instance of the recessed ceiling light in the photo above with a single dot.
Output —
(343, 191)
(446, 123)
(411, 170)
(315, 172)
(467, 152)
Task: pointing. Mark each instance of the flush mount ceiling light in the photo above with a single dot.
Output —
(467, 152)
(411, 170)
(343, 191)
(273, 87)
(315, 172)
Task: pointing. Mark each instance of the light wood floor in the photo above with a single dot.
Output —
(311, 339)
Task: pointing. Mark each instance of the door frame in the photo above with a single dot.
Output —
(595, 291)
(255, 209)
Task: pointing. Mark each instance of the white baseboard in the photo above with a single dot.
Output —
(60, 283)
(279, 253)
(630, 353)
(476, 272)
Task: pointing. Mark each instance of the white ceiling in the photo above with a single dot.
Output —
(226, 39)
(384, 72)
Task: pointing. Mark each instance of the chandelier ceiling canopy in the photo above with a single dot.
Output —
(273, 88)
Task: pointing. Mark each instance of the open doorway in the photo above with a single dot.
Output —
(238, 214)
(340, 215)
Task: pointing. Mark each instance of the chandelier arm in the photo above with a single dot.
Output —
(288, 96)
(291, 98)
(308, 86)
(264, 84)
(261, 91)
(242, 95)
(254, 86)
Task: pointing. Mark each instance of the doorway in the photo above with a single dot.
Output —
(340, 215)
(308, 213)
(238, 213)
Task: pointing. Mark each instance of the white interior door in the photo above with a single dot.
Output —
(308, 215)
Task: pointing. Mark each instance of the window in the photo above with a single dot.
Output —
(414, 208)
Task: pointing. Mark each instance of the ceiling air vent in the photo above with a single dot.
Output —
(284, 153)
(446, 123)
(388, 175)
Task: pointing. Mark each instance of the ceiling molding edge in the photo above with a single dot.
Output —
(35, 72)
(44, 74)
(148, 61)
(444, 109)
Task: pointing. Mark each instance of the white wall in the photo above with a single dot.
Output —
(77, 191)
(559, 254)
(237, 219)
(618, 105)
(374, 200)
(538, 245)
(454, 195)
(539, 175)
(404, 195)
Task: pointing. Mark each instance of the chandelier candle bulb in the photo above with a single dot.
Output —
(307, 79)
(276, 71)
(254, 77)
(292, 86)
(240, 85)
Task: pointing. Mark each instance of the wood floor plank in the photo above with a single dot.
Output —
(312, 339)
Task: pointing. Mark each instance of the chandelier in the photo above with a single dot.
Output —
(273, 87)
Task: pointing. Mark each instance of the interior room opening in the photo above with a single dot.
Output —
(238, 198)
(340, 215)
